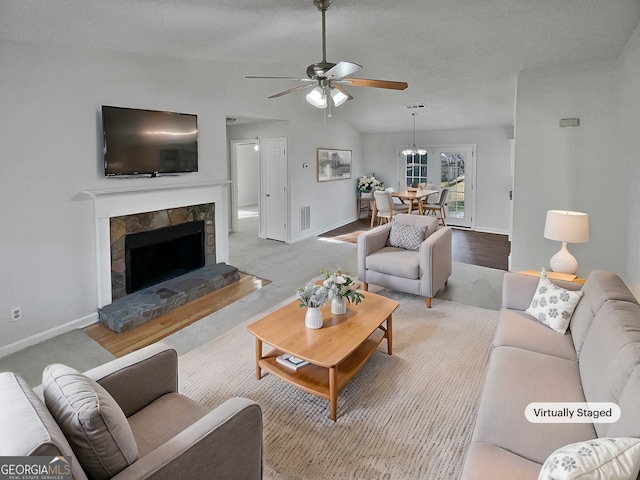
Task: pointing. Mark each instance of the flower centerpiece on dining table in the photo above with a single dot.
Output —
(340, 286)
(369, 184)
(313, 297)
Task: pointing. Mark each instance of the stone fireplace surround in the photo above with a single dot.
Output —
(154, 197)
(144, 222)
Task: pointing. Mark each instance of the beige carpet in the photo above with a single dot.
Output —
(405, 416)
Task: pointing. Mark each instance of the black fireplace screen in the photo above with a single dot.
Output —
(158, 255)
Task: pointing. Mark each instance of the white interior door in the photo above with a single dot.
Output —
(273, 208)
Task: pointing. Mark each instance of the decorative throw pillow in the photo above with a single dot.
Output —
(553, 305)
(610, 458)
(92, 421)
(404, 236)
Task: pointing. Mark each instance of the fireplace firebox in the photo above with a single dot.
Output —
(155, 256)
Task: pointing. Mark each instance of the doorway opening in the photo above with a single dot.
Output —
(246, 179)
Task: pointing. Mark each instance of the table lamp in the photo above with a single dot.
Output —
(566, 227)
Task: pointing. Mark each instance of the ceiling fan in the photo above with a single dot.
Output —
(327, 80)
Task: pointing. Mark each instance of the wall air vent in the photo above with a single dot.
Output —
(415, 106)
(305, 218)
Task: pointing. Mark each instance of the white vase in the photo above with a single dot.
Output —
(338, 306)
(313, 318)
(366, 194)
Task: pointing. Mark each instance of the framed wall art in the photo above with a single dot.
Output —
(333, 164)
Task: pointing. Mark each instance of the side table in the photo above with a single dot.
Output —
(556, 276)
(364, 204)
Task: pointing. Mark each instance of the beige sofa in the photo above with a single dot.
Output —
(126, 420)
(597, 360)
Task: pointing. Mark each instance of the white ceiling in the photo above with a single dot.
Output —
(460, 57)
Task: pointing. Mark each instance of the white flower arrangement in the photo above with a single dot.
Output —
(312, 296)
(368, 184)
(340, 285)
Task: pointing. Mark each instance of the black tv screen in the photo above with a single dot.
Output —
(148, 142)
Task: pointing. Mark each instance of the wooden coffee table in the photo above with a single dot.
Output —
(336, 352)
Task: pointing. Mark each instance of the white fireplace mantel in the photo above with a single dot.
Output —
(131, 200)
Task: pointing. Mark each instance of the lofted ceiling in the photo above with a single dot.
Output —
(459, 57)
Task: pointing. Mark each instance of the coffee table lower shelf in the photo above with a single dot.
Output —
(317, 379)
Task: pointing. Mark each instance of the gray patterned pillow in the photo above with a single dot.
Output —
(404, 236)
(553, 305)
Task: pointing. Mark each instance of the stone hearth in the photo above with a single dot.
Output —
(139, 307)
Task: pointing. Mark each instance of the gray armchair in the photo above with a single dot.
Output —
(420, 272)
(131, 424)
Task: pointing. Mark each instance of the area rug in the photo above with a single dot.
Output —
(409, 415)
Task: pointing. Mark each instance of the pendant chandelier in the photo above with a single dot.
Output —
(413, 149)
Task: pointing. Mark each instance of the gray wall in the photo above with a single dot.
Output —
(51, 152)
(592, 168)
(493, 156)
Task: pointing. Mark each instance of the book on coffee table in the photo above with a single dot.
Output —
(292, 362)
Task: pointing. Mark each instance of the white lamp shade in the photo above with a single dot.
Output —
(338, 97)
(569, 227)
(317, 98)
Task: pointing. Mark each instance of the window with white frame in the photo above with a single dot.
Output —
(416, 169)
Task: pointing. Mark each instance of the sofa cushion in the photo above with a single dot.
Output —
(515, 378)
(610, 458)
(27, 427)
(599, 288)
(485, 461)
(553, 305)
(404, 236)
(180, 413)
(91, 420)
(610, 365)
(397, 262)
(518, 329)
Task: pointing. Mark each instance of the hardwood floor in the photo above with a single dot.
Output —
(119, 344)
(479, 248)
(475, 248)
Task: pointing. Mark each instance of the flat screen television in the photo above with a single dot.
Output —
(148, 142)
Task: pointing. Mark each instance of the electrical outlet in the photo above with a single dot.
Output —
(16, 314)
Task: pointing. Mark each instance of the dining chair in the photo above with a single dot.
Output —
(438, 209)
(395, 200)
(432, 199)
(385, 208)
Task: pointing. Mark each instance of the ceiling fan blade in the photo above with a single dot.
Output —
(294, 89)
(283, 78)
(367, 82)
(342, 69)
(343, 90)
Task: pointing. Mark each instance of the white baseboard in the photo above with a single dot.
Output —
(48, 334)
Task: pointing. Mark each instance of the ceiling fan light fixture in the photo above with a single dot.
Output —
(338, 97)
(317, 97)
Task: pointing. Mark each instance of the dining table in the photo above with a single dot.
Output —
(414, 196)
(417, 197)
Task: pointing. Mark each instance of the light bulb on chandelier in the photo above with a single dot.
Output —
(413, 149)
